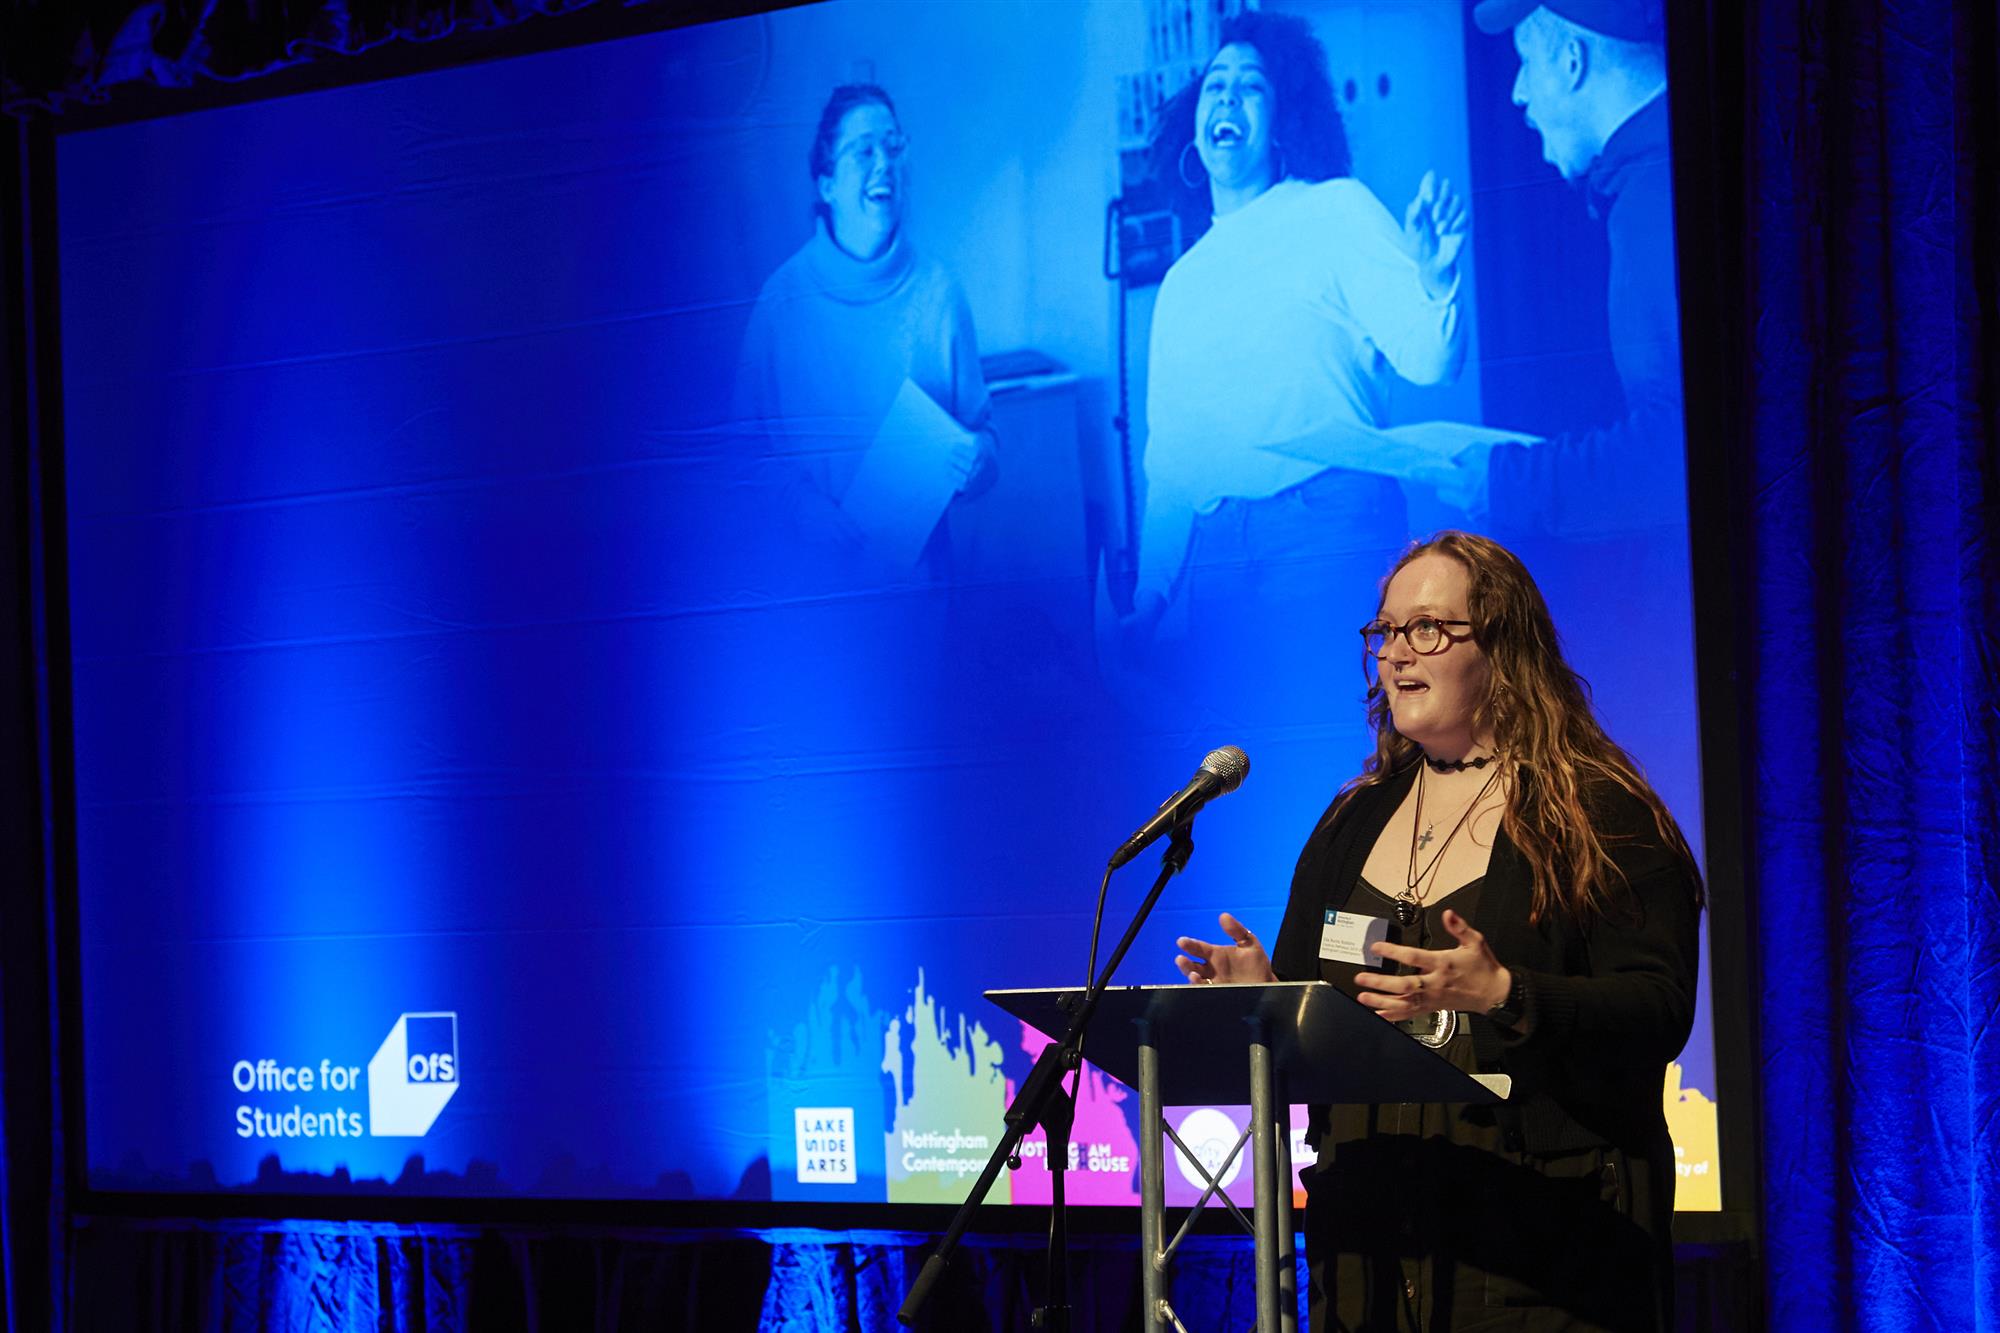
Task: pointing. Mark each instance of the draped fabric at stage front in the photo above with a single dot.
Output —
(1873, 652)
(317, 1277)
(322, 1277)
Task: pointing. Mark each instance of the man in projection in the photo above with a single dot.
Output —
(1593, 84)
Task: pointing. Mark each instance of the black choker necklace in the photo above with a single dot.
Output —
(1457, 765)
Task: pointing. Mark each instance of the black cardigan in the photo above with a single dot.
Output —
(1611, 1001)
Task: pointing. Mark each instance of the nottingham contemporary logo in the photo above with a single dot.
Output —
(413, 1074)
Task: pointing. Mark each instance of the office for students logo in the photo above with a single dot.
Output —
(413, 1074)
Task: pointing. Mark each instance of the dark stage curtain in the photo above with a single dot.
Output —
(32, 1140)
(1872, 647)
(56, 51)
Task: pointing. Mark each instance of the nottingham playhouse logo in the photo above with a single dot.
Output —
(413, 1074)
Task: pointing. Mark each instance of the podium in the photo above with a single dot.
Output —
(1302, 1041)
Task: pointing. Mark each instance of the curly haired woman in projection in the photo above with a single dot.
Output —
(1281, 328)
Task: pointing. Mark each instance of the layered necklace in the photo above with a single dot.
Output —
(1409, 902)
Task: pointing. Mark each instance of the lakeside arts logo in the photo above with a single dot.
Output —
(411, 1076)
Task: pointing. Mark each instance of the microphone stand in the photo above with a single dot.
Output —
(1042, 1100)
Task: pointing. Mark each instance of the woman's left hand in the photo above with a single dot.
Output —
(1434, 229)
(1467, 978)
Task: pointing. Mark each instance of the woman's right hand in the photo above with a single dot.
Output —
(1243, 960)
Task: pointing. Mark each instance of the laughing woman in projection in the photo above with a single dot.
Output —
(1281, 328)
(857, 338)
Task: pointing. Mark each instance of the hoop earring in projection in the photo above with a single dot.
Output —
(1191, 182)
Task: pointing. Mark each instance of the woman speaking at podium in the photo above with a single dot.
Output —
(1541, 909)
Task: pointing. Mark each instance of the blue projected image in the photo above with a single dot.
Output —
(614, 592)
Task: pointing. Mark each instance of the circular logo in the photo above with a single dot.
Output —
(1210, 1135)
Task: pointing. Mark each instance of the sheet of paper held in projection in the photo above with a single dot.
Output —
(906, 478)
(1448, 439)
(1389, 451)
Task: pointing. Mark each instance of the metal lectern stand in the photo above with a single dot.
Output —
(1306, 1042)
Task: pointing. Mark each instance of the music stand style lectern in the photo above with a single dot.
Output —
(1179, 1046)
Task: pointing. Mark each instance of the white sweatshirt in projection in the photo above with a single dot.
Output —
(1285, 319)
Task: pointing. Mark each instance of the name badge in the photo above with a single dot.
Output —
(1347, 936)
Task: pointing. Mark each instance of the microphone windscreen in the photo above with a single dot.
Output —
(1230, 764)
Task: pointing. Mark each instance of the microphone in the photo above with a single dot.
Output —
(1220, 773)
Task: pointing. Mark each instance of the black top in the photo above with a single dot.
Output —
(1428, 932)
(1609, 1002)
(1438, 1126)
(1562, 1197)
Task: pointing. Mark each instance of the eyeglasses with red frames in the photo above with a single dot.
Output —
(1424, 634)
